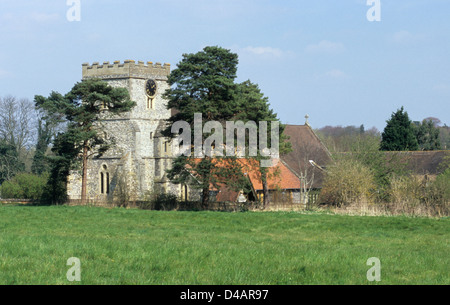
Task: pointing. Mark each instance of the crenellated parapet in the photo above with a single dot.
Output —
(127, 69)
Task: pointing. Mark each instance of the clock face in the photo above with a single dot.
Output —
(150, 88)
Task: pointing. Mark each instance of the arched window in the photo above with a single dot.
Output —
(149, 103)
(104, 180)
(184, 192)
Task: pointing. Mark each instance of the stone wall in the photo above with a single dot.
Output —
(136, 163)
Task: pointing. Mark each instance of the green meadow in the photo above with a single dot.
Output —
(131, 246)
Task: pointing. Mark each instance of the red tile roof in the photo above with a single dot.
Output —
(226, 195)
(279, 175)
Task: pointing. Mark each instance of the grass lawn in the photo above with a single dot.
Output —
(120, 246)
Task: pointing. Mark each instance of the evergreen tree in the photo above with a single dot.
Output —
(399, 133)
(48, 122)
(427, 135)
(40, 163)
(64, 159)
(84, 108)
(254, 106)
(10, 163)
(204, 83)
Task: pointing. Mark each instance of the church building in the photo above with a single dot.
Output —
(135, 165)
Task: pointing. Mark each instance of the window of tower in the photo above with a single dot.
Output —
(104, 180)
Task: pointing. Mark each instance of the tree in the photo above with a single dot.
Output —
(362, 129)
(16, 135)
(444, 136)
(347, 181)
(435, 121)
(40, 164)
(24, 186)
(306, 171)
(64, 159)
(399, 135)
(10, 163)
(204, 83)
(342, 139)
(383, 165)
(254, 106)
(49, 123)
(427, 135)
(17, 122)
(84, 107)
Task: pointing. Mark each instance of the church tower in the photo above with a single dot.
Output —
(136, 163)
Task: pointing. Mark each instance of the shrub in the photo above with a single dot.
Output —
(347, 181)
(24, 186)
(406, 190)
(160, 202)
(413, 195)
(439, 194)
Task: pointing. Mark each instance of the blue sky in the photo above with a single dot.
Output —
(322, 58)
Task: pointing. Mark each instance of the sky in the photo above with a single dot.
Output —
(324, 58)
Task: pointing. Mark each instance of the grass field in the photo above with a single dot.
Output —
(130, 246)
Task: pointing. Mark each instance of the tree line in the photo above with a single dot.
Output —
(400, 134)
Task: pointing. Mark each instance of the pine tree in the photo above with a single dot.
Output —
(48, 123)
(84, 108)
(399, 135)
(40, 163)
(204, 83)
(10, 163)
(254, 106)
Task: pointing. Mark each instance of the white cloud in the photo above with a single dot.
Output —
(42, 17)
(264, 51)
(3, 73)
(405, 37)
(441, 88)
(402, 37)
(334, 74)
(24, 23)
(325, 46)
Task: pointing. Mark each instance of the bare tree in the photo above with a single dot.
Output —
(303, 158)
(436, 122)
(9, 162)
(17, 122)
(17, 135)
